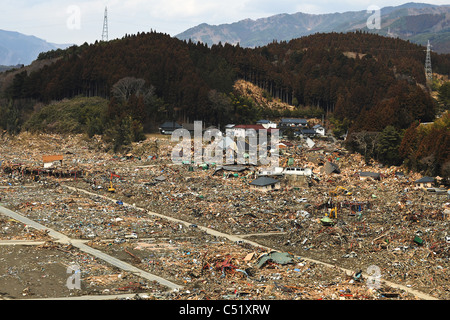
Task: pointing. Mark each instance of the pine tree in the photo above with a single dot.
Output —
(388, 146)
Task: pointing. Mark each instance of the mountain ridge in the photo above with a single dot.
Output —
(395, 21)
(17, 48)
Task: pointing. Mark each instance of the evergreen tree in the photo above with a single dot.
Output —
(388, 146)
(444, 96)
(122, 132)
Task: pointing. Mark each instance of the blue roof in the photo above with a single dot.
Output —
(290, 120)
(425, 180)
(308, 131)
(171, 125)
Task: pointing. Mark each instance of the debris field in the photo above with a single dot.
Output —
(167, 219)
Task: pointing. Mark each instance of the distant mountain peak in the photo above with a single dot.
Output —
(17, 48)
(409, 21)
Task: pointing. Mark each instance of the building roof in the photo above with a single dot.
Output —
(250, 126)
(234, 168)
(189, 126)
(331, 168)
(425, 180)
(370, 174)
(308, 131)
(48, 159)
(170, 125)
(294, 121)
(264, 181)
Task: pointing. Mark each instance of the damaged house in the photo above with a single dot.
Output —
(369, 175)
(52, 161)
(265, 184)
(425, 182)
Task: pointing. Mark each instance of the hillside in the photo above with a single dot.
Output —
(412, 21)
(259, 96)
(356, 76)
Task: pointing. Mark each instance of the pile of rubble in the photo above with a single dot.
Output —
(385, 223)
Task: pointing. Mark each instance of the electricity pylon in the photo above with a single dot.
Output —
(428, 70)
(105, 26)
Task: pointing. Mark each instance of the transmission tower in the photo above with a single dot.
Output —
(105, 26)
(428, 70)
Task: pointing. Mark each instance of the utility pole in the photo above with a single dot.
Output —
(105, 26)
(428, 70)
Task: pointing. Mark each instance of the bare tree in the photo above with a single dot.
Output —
(129, 86)
(366, 142)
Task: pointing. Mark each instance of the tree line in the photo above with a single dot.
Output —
(363, 82)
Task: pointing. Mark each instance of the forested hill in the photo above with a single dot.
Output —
(372, 81)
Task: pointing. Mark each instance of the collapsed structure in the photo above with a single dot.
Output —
(164, 218)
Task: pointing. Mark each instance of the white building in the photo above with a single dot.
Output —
(320, 130)
(298, 171)
(267, 124)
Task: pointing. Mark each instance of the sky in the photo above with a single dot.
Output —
(80, 21)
